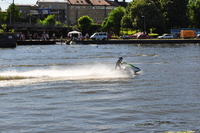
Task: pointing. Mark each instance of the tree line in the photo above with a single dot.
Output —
(157, 16)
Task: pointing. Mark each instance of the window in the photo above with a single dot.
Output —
(57, 6)
(50, 6)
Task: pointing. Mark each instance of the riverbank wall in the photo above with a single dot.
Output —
(7, 40)
(140, 41)
(27, 42)
(114, 41)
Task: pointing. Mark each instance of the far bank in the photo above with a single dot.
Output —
(113, 41)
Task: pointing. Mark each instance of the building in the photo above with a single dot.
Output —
(69, 11)
(95, 9)
(57, 8)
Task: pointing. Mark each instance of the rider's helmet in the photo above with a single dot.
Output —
(120, 58)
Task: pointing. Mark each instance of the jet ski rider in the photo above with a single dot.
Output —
(118, 63)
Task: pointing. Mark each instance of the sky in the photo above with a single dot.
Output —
(5, 3)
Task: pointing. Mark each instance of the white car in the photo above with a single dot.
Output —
(198, 35)
(99, 35)
(166, 36)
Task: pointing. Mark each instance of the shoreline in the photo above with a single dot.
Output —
(112, 41)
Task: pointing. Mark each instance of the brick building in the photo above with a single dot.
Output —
(69, 11)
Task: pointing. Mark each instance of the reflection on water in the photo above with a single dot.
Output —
(63, 88)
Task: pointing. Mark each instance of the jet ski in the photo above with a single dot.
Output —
(129, 68)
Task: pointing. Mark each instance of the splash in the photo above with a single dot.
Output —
(55, 74)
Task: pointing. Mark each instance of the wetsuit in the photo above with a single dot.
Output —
(118, 64)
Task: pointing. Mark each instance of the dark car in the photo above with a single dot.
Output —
(144, 36)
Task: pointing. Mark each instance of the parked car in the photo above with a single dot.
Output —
(128, 37)
(144, 36)
(166, 36)
(99, 35)
(198, 35)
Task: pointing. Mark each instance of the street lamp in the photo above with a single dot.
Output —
(144, 24)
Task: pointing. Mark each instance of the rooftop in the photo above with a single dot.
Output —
(78, 2)
(99, 2)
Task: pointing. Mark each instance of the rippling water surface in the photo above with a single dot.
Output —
(73, 88)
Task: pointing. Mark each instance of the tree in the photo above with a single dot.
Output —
(85, 23)
(194, 13)
(175, 13)
(144, 13)
(12, 14)
(1, 16)
(126, 21)
(114, 20)
(49, 20)
(107, 25)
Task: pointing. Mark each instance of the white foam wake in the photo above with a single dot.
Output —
(53, 74)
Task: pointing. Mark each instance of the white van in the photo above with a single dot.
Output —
(99, 35)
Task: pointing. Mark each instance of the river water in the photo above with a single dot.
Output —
(73, 88)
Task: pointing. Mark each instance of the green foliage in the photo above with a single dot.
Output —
(143, 13)
(49, 20)
(107, 25)
(12, 30)
(85, 23)
(58, 23)
(95, 28)
(128, 32)
(1, 16)
(194, 13)
(126, 21)
(175, 13)
(113, 22)
(12, 13)
(4, 26)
